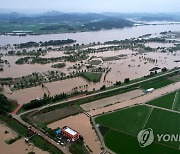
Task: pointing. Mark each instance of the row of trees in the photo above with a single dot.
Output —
(46, 43)
(45, 100)
(5, 105)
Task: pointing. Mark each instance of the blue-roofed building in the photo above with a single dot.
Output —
(58, 132)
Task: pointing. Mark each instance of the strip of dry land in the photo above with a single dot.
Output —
(139, 100)
(112, 100)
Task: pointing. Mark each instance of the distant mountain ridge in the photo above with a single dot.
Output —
(58, 22)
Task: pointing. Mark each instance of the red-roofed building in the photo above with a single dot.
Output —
(70, 133)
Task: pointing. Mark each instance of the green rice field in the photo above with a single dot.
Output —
(121, 127)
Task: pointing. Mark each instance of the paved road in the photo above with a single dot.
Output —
(44, 136)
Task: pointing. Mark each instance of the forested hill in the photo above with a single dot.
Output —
(54, 22)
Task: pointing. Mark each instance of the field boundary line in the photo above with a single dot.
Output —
(164, 109)
(148, 117)
(174, 102)
(133, 135)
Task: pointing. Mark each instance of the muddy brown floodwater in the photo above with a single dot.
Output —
(18, 147)
(96, 36)
(134, 67)
(81, 123)
(131, 67)
(26, 95)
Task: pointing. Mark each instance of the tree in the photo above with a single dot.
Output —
(103, 87)
(118, 83)
(126, 80)
(164, 69)
(5, 105)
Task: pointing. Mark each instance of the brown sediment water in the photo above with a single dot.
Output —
(131, 67)
(23, 96)
(156, 45)
(18, 147)
(21, 70)
(81, 124)
(97, 36)
(52, 54)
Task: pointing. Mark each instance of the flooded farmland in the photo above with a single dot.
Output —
(132, 66)
(53, 88)
(19, 147)
(123, 63)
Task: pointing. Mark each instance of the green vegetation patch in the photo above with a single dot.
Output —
(11, 141)
(78, 148)
(54, 115)
(130, 120)
(176, 106)
(92, 76)
(124, 125)
(164, 122)
(164, 101)
(59, 65)
(158, 84)
(15, 125)
(44, 145)
(123, 143)
(95, 62)
(5, 105)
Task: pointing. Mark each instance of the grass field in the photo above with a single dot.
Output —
(44, 145)
(51, 116)
(122, 143)
(120, 128)
(176, 105)
(169, 101)
(117, 120)
(165, 101)
(91, 76)
(157, 84)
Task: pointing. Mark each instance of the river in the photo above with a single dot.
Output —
(97, 36)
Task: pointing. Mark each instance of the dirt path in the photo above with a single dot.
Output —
(143, 99)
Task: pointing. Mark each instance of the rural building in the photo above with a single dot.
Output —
(58, 132)
(70, 133)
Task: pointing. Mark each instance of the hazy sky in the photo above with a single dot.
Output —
(92, 5)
